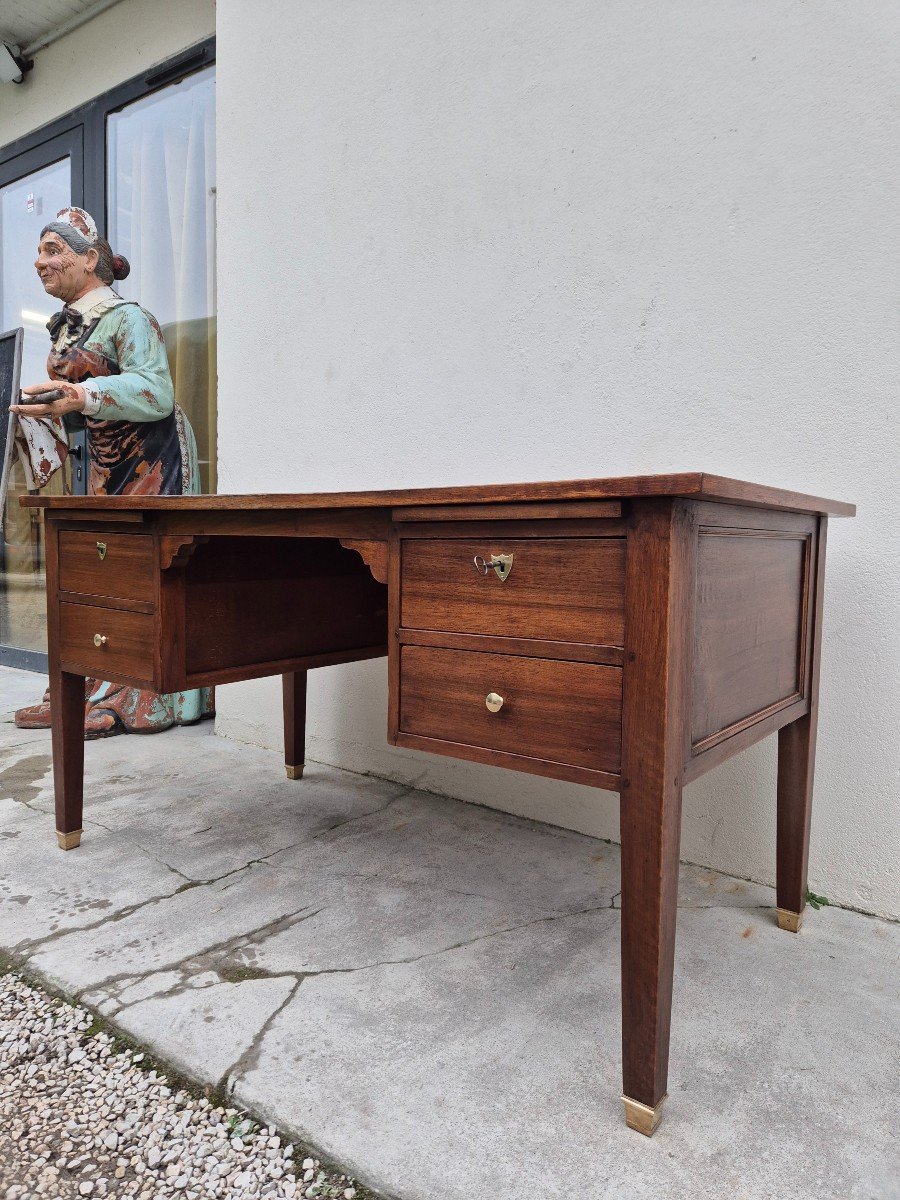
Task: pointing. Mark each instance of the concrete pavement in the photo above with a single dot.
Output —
(428, 991)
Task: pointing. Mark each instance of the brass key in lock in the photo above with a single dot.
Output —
(501, 563)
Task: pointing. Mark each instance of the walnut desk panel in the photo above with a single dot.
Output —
(628, 634)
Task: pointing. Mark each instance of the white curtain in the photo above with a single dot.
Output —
(162, 218)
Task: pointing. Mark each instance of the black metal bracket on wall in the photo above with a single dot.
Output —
(83, 130)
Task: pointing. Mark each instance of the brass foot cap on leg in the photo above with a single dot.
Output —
(642, 1117)
(295, 772)
(68, 841)
(789, 920)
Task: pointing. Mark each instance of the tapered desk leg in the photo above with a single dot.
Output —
(659, 583)
(67, 733)
(293, 687)
(796, 760)
(796, 766)
(650, 823)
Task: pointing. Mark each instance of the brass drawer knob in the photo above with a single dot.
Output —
(101, 550)
(501, 563)
(100, 639)
(493, 701)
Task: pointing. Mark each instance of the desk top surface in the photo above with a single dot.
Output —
(693, 485)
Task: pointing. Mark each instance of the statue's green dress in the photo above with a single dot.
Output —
(139, 443)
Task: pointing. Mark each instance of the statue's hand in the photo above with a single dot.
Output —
(72, 400)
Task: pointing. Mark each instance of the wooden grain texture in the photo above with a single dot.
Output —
(750, 639)
(128, 655)
(607, 780)
(175, 549)
(92, 514)
(272, 591)
(279, 666)
(170, 659)
(254, 601)
(142, 606)
(796, 764)
(510, 512)
(67, 737)
(362, 524)
(563, 712)
(126, 570)
(394, 559)
(293, 692)
(373, 554)
(741, 739)
(710, 514)
(558, 590)
(689, 484)
(67, 707)
(581, 527)
(655, 714)
(529, 647)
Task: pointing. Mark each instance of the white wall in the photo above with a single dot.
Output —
(505, 240)
(119, 43)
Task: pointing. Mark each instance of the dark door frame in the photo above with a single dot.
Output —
(89, 120)
(81, 136)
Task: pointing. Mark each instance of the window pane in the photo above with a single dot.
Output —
(25, 208)
(161, 154)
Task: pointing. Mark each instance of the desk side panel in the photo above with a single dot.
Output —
(751, 628)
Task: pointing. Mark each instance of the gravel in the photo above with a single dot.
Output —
(81, 1117)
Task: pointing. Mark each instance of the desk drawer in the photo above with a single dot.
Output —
(127, 651)
(562, 712)
(119, 565)
(558, 589)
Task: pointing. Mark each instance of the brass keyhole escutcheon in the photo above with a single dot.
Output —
(100, 639)
(501, 563)
(494, 702)
(101, 550)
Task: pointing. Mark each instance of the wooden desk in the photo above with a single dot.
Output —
(628, 634)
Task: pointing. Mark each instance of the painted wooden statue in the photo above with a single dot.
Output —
(109, 360)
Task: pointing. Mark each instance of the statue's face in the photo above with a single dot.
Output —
(64, 273)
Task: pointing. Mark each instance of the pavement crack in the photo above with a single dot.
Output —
(249, 1060)
(30, 945)
(141, 848)
(361, 816)
(211, 958)
(429, 885)
(481, 937)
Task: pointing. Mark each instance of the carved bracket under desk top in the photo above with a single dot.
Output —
(175, 549)
(373, 554)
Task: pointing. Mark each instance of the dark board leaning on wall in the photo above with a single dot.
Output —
(10, 368)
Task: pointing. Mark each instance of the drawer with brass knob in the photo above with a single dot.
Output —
(94, 640)
(117, 565)
(555, 589)
(541, 710)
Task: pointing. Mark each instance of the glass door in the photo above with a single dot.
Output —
(33, 187)
(161, 163)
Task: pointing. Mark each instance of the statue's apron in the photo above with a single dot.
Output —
(132, 458)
